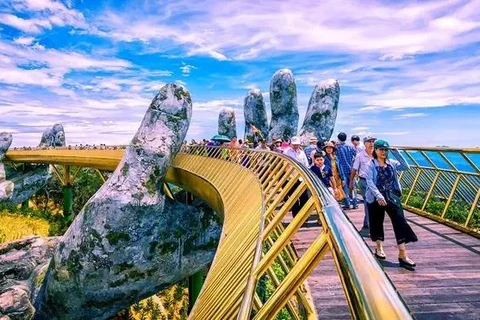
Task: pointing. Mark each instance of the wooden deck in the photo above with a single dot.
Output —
(445, 284)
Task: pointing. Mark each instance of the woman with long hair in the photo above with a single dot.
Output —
(383, 194)
(331, 161)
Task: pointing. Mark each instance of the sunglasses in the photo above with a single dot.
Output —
(382, 149)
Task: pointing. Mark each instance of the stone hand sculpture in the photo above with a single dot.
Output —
(255, 115)
(54, 137)
(320, 116)
(5, 142)
(227, 124)
(321, 112)
(283, 102)
(130, 241)
(19, 186)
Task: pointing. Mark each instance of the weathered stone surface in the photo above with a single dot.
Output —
(227, 124)
(54, 137)
(22, 186)
(129, 241)
(255, 114)
(321, 112)
(5, 142)
(23, 264)
(18, 186)
(283, 101)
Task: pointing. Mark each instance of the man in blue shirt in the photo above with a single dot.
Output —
(345, 156)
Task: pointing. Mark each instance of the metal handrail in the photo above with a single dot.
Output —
(369, 292)
(440, 189)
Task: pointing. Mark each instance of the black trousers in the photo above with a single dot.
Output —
(403, 231)
(297, 205)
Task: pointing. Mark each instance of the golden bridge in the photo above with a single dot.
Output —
(326, 268)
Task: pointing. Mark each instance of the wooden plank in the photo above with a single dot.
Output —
(445, 284)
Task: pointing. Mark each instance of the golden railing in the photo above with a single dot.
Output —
(254, 191)
(443, 184)
(369, 292)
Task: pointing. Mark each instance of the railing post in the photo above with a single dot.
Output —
(195, 283)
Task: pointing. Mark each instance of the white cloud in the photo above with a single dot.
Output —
(245, 30)
(186, 69)
(24, 41)
(393, 133)
(410, 115)
(25, 25)
(360, 128)
(217, 105)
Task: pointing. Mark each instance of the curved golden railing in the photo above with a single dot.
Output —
(444, 184)
(255, 190)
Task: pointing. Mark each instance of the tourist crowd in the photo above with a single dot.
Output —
(343, 168)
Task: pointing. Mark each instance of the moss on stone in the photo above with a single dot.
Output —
(153, 246)
(73, 263)
(114, 237)
(119, 282)
(292, 89)
(181, 93)
(39, 278)
(135, 275)
(167, 247)
(123, 266)
(190, 246)
(125, 169)
(150, 185)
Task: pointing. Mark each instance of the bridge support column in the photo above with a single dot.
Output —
(195, 283)
(67, 201)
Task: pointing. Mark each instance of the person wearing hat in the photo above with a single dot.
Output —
(383, 194)
(295, 152)
(360, 164)
(277, 146)
(331, 162)
(308, 150)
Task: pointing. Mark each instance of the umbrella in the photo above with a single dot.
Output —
(221, 138)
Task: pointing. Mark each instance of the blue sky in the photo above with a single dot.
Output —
(409, 71)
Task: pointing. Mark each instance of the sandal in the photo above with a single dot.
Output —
(379, 254)
(406, 262)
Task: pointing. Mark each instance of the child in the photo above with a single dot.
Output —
(323, 172)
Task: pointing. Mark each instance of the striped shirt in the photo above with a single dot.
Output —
(345, 155)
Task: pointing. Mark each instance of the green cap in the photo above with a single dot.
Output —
(381, 144)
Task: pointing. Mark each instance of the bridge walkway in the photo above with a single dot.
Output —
(445, 284)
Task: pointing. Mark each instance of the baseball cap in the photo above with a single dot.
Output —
(355, 137)
(369, 138)
(381, 144)
(295, 140)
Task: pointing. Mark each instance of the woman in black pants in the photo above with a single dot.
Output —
(383, 194)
